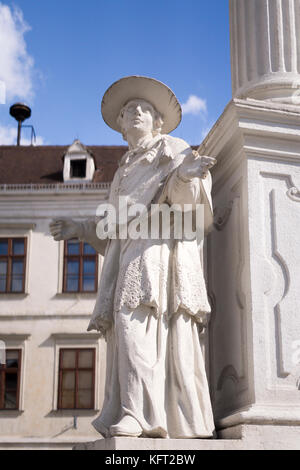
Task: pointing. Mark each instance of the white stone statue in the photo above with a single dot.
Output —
(152, 295)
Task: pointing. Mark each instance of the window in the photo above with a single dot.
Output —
(79, 163)
(10, 381)
(80, 267)
(12, 265)
(93, 362)
(76, 390)
(78, 168)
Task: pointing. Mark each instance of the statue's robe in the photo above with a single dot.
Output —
(151, 297)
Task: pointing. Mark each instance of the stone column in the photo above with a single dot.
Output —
(253, 261)
(253, 253)
(265, 49)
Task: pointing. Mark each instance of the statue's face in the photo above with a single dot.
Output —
(138, 114)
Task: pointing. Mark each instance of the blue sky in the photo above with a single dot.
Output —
(60, 56)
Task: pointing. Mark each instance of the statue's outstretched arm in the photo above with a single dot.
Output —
(66, 229)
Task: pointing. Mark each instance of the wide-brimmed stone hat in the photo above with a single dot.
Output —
(136, 87)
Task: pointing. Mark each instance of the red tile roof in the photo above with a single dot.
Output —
(44, 164)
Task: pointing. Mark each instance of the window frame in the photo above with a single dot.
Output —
(9, 258)
(80, 257)
(3, 371)
(76, 370)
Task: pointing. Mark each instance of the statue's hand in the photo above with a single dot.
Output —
(195, 166)
(64, 229)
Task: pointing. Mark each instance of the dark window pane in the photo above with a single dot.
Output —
(3, 271)
(10, 400)
(68, 359)
(18, 247)
(78, 168)
(2, 284)
(72, 284)
(68, 399)
(89, 266)
(11, 382)
(12, 359)
(72, 275)
(88, 284)
(73, 247)
(68, 380)
(84, 399)
(68, 389)
(3, 267)
(3, 247)
(2, 356)
(17, 266)
(85, 380)
(17, 284)
(85, 359)
(73, 267)
(88, 249)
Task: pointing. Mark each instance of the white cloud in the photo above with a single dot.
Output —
(16, 69)
(2, 92)
(194, 105)
(16, 65)
(8, 136)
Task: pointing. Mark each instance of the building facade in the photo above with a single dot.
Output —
(52, 382)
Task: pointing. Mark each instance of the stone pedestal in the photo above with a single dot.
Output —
(265, 48)
(254, 271)
(124, 443)
(167, 446)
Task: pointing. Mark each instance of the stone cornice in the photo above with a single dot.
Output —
(261, 112)
(14, 337)
(35, 206)
(16, 226)
(75, 336)
(40, 316)
(252, 129)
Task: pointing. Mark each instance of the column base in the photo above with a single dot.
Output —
(264, 437)
(265, 426)
(273, 88)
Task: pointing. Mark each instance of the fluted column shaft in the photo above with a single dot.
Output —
(265, 49)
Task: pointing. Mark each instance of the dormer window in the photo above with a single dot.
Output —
(78, 163)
